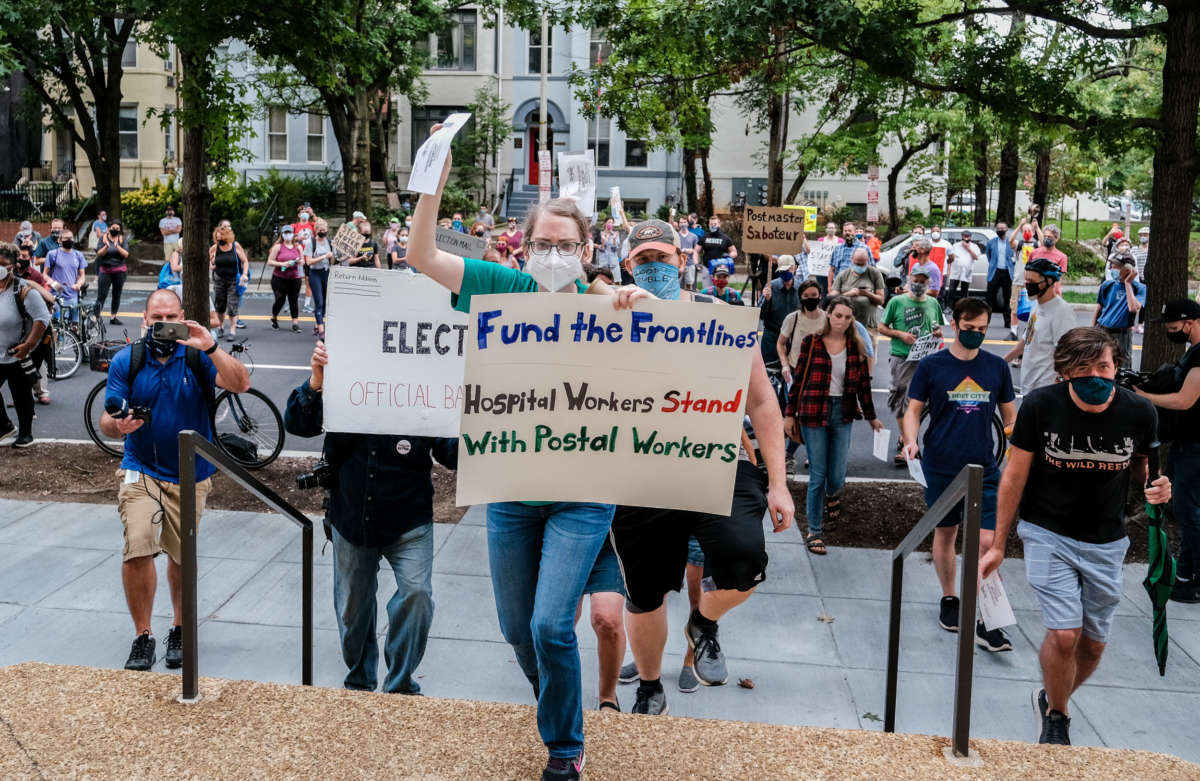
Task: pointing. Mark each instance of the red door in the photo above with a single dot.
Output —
(532, 143)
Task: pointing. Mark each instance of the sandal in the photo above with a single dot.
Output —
(815, 545)
(833, 509)
(609, 705)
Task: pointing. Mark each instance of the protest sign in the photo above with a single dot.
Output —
(545, 171)
(567, 399)
(395, 354)
(577, 179)
(872, 201)
(427, 163)
(820, 256)
(459, 243)
(615, 209)
(809, 212)
(772, 231)
(347, 241)
(925, 345)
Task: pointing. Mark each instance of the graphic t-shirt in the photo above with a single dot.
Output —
(1047, 324)
(715, 244)
(918, 318)
(961, 397)
(1079, 478)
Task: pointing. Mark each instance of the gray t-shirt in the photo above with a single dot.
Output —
(170, 223)
(688, 242)
(12, 328)
(316, 248)
(1047, 324)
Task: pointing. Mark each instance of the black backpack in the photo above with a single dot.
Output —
(137, 359)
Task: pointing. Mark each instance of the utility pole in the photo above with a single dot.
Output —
(545, 82)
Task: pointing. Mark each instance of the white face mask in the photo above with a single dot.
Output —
(936, 235)
(554, 270)
(4, 273)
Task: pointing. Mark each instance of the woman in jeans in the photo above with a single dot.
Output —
(832, 383)
(318, 254)
(285, 259)
(230, 266)
(541, 553)
(110, 261)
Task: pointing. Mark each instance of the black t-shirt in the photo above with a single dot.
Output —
(1185, 425)
(369, 248)
(715, 244)
(1079, 478)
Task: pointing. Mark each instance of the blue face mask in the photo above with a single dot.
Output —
(858, 269)
(1092, 390)
(1114, 274)
(786, 276)
(661, 279)
(457, 224)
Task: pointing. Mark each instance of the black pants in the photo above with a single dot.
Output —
(999, 293)
(22, 396)
(954, 291)
(289, 289)
(114, 280)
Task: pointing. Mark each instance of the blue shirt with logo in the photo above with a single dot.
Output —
(961, 397)
(176, 401)
(1114, 307)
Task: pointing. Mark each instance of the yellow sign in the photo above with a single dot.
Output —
(810, 215)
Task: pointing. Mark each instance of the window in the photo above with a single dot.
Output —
(636, 208)
(425, 117)
(169, 60)
(316, 138)
(127, 128)
(169, 135)
(635, 153)
(598, 138)
(277, 142)
(129, 55)
(535, 52)
(453, 48)
(600, 48)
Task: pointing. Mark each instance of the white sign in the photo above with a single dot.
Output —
(545, 172)
(994, 607)
(577, 179)
(615, 209)
(819, 257)
(395, 354)
(459, 243)
(431, 157)
(347, 242)
(872, 201)
(567, 399)
(925, 345)
(917, 472)
(882, 446)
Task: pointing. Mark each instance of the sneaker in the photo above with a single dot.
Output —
(1015, 363)
(25, 440)
(295, 328)
(1056, 729)
(628, 673)
(8, 431)
(1012, 336)
(174, 655)
(1040, 706)
(114, 321)
(563, 768)
(240, 323)
(688, 682)
(651, 701)
(948, 614)
(308, 304)
(141, 655)
(994, 641)
(274, 323)
(706, 650)
(1187, 592)
(220, 331)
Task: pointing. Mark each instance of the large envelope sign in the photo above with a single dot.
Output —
(567, 399)
(395, 354)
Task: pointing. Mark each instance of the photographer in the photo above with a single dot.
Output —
(158, 387)
(23, 322)
(380, 505)
(1181, 318)
(1120, 298)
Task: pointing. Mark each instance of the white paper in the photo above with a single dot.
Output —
(994, 607)
(925, 345)
(883, 444)
(616, 210)
(577, 178)
(918, 474)
(545, 172)
(819, 258)
(428, 162)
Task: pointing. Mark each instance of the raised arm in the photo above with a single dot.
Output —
(445, 268)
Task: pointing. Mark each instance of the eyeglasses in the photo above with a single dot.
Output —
(541, 246)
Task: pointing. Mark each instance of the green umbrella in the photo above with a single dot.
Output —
(1160, 574)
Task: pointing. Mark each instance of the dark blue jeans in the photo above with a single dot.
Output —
(541, 557)
(318, 281)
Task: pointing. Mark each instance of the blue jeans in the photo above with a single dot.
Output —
(318, 279)
(410, 610)
(541, 557)
(1185, 500)
(828, 448)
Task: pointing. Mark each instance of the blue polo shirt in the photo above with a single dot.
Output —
(1114, 308)
(176, 401)
(1000, 255)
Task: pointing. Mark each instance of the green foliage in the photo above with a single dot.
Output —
(1081, 261)
(320, 190)
(456, 199)
(481, 141)
(142, 209)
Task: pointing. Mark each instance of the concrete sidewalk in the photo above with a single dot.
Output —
(61, 601)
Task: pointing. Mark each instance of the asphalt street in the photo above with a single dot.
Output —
(281, 363)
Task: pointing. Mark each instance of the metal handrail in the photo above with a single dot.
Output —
(189, 444)
(966, 488)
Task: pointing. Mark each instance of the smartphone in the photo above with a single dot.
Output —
(165, 331)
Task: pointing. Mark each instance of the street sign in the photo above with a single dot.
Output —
(872, 172)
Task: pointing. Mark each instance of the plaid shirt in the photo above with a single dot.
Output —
(810, 404)
(839, 261)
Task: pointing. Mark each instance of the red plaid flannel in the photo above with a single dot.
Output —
(810, 404)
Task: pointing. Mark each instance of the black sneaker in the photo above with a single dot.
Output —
(628, 673)
(708, 660)
(651, 701)
(563, 768)
(114, 321)
(25, 440)
(174, 655)
(1187, 592)
(948, 615)
(994, 641)
(1056, 729)
(141, 655)
(1040, 706)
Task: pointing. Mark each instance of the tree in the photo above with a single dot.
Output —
(478, 145)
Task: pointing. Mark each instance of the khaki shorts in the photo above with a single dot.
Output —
(146, 533)
(168, 250)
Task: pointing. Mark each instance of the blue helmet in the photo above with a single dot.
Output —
(1046, 267)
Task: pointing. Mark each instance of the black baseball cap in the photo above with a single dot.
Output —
(1179, 309)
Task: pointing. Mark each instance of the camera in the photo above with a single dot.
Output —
(321, 476)
(1128, 378)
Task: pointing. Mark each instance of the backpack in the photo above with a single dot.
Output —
(22, 289)
(167, 277)
(137, 359)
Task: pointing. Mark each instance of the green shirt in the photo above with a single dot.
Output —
(916, 317)
(481, 278)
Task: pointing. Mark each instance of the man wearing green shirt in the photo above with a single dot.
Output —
(907, 318)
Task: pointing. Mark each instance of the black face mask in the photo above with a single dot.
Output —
(68, 243)
(22, 263)
(54, 235)
(1001, 233)
(810, 304)
(161, 348)
(322, 234)
(1034, 289)
(479, 234)
(1177, 337)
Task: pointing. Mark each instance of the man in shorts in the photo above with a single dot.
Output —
(1076, 447)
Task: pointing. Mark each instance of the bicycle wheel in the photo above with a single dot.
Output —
(67, 355)
(248, 427)
(93, 408)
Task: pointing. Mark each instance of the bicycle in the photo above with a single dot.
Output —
(67, 354)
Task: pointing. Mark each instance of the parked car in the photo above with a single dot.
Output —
(893, 255)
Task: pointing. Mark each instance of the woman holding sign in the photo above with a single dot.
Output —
(541, 553)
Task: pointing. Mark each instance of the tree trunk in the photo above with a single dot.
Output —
(196, 196)
(893, 178)
(349, 118)
(689, 179)
(1010, 160)
(981, 177)
(794, 191)
(1041, 181)
(706, 203)
(777, 131)
(1176, 165)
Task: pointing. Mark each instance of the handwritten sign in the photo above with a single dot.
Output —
(459, 243)
(577, 179)
(544, 173)
(616, 209)
(925, 345)
(431, 157)
(810, 215)
(347, 241)
(772, 231)
(395, 354)
(820, 257)
(568, 399)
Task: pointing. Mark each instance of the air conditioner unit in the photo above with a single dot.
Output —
(170, 81)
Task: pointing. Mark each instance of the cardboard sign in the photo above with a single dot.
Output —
(431, 157)
(925, 345)
(577, 179)
(395, 354)
(545, 171)
(568, 399)
(820, 257)
(772, 231)
(347, 241)
(458, 243)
